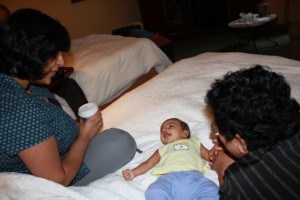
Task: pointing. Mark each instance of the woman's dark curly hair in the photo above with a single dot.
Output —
(29, 40)
(257, 104)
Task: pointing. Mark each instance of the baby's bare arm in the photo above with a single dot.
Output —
(204, 152)
(142, 168)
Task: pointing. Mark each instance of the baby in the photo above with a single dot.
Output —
(180, 163)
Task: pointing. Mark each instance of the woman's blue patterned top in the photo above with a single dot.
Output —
(27, 120)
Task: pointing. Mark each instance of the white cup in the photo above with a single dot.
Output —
(87, 110)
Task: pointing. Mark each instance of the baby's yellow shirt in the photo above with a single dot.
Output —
(181, 155)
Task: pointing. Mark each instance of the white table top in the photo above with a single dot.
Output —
(240, 23)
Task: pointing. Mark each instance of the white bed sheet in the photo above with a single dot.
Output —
(106, 65)
(177, 92)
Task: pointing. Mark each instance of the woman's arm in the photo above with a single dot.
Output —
(43, 159)
(142, 168)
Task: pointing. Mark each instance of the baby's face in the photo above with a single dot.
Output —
(171, 131)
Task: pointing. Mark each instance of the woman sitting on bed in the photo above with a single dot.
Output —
(36, 136)
(259, 132)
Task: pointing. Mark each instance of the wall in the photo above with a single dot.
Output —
(102, 16)
(279, 7)
(294, 28)
(84, 17)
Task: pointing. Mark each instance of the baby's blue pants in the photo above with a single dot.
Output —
(185, 185)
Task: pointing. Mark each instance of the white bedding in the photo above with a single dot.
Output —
(106, 65)
(176, 92)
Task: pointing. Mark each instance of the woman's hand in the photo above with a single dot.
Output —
(91, 127)
(220, 162)
(213, 152)
(43, 160)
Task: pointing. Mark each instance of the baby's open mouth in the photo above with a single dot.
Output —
(167, 135)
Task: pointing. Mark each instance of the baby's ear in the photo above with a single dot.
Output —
(186, 133)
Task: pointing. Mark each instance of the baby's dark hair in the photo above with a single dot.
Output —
(184, 125)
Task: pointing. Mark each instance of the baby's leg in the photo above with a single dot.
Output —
(161, 189)
(201, 187)
(183, 186)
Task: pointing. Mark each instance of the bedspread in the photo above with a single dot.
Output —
(176, 92)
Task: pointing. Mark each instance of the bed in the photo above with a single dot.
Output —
(176, 92)
(105, 66)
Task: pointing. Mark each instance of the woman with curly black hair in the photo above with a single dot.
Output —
(36, 136)
(258, 126)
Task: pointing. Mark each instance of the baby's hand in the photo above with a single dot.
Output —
(128, 174)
